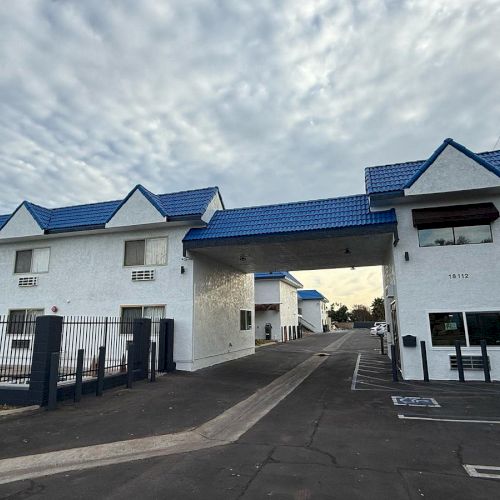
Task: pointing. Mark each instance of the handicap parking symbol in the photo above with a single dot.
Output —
(415, 401)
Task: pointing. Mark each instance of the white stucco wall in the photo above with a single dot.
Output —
(135, 211)
(220, 293)
(453, 171)
(311, 312)
(21, 224)
(87, 277)
(289, 309)
(423, 285)
(213, 206)
(275, 292)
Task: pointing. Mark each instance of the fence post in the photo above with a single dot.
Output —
(142, 340)
(130, 365)
(166, 346)
(153, 362)
(486, 364)
(53, 376)
(394, 364)
(79, 376)
(47, 340)
(460, 365)
(100, 371)
(425, 367)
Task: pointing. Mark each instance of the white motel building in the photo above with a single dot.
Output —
(432, 225)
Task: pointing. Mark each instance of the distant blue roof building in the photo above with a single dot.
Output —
(311, 295)
(279, 275)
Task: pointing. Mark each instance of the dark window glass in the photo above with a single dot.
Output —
(473, 234)
(23, 261)
(20, 344)
(446, 328)
(134, 252)
(464, 235)
(128, 316)
(17, 319)
(245, 320)
(435, 237)
(483, 325)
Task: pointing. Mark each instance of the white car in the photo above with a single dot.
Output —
(380, 328)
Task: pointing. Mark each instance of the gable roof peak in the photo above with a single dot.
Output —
(459, 147)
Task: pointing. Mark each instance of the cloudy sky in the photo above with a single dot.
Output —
(270, 100)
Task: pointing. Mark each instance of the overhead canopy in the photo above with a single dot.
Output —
(322, 234)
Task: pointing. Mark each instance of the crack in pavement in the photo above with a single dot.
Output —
(221, 430)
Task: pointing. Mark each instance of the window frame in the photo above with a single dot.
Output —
(126, 266)
(24, 332)
(32, 250)
(454, 244)
(246, 320)
(467, 346)
(143, 307)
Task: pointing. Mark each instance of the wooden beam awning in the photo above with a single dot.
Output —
(267, 307)
(454, 215)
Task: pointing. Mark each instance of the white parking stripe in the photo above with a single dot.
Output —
(459, 420)
(472, 470)
(355, 374)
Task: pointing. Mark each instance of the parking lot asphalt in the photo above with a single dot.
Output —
(327, 439)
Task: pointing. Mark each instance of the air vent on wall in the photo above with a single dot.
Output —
(145, 275)
(28, 281)
(469, 362)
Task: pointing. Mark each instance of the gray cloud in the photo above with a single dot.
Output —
(272, 101)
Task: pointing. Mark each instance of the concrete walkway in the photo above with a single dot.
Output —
(323, 440)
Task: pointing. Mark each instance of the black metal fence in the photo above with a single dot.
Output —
(16, 348)
(91, 333)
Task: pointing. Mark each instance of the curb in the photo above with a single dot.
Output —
(18, 411)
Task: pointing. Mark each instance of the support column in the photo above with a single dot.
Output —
(142, 340)
(47, 340)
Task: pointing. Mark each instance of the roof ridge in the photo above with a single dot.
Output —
(190, 190)
(361, 195)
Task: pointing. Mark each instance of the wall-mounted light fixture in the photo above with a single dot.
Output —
(183, 269)
(407, 256)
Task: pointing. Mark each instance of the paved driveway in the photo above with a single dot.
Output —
(324, 440)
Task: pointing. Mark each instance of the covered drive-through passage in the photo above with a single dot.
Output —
(320, 234)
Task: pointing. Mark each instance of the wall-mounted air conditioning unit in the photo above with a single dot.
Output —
(143, 275)
(28, 281)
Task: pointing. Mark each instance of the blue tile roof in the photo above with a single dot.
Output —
(395, 177)
(311, 295)
(331, 213)
(278, 275)
(181, 204)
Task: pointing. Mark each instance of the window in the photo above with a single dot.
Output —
(32, 261)
(149, 252)
(22, 321)
(245, 320)
(20, 344)
(483, 326)
(135, 312)
(463, 235)
(446, 328)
